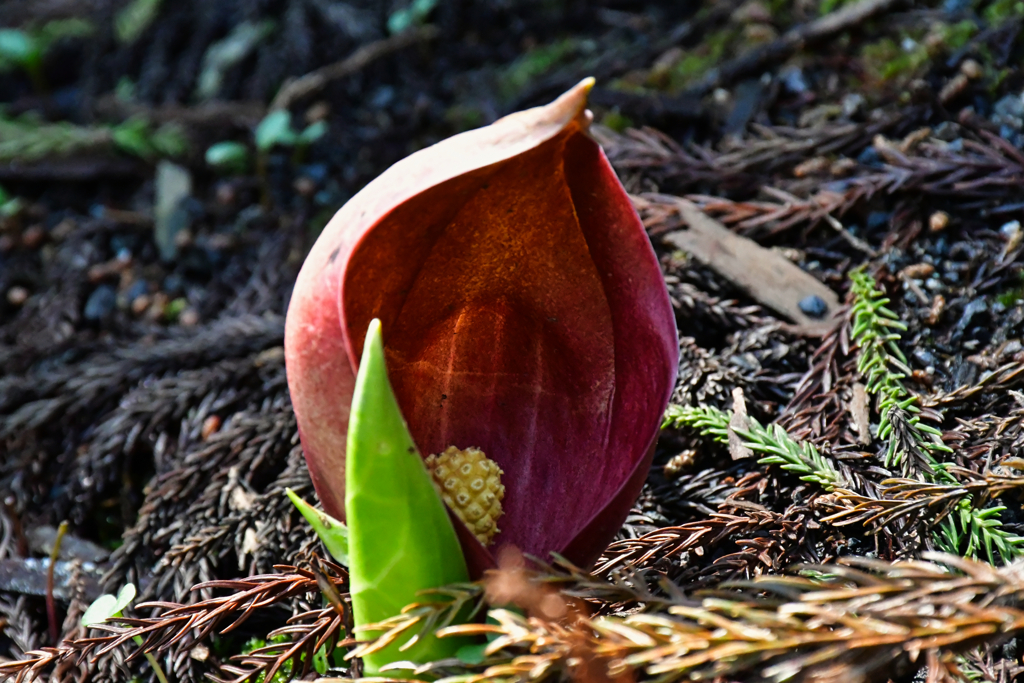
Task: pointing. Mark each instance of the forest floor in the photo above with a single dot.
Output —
(165, 166)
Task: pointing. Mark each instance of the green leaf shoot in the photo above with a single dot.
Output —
(228, 156)
(275, 129)
(333, 533)
(401, 540)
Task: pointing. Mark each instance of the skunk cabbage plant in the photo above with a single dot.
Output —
(526, 328)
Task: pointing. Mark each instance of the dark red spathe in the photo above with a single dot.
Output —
(523, 313)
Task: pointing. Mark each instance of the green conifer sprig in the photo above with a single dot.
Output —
(911, 444)
(974, 532)
(778, 447)
(876, 333)
(968, 531)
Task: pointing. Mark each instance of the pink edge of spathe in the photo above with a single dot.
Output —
(319, 358)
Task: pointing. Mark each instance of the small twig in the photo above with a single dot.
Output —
(51, 606)
(296, 89)
(854, 241)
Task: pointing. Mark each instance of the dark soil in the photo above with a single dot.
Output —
(142, 387)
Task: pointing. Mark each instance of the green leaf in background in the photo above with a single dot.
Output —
(132, 136)
(17, 46)
(134, 18)
(401, 540)
(312, 133)
(227, 53)
(413, 15)
(333, 533)
(228, 156)
(275, 129)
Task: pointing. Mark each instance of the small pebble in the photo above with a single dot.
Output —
(16, 296)
(136, 289)
(141, 303)
(220, 241)
(922, 378)
(938, 221)
(183, 238)
(100, 303)
(793, 79)
(947, 131)
(814, 306)
(1009, 112)
(189, 317)
(971, 69)
(791, 254)
(210, 426)
(869, 157)
(853, 104)
(226, 194)
(918, 271)
(7, 243)
(938, 306)
(305, 186)
(33, 236)
(1013, 234)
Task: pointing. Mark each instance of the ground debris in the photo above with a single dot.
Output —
(142, 387)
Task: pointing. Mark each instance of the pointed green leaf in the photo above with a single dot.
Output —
(312, 133)
(333, 533)
(101, 609)
(124, 597)
(275, 129)
(401, 540)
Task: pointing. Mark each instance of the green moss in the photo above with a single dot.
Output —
(26, 49)
(955, 36)
(827, 6)
(886, 60)
(174, 309)
(537, 62)
(284, 674)
(701, 59)
(1012, 297)
(615, 120)
(133, 19)
(463, 117)
(781, 12)
(1000, 10)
